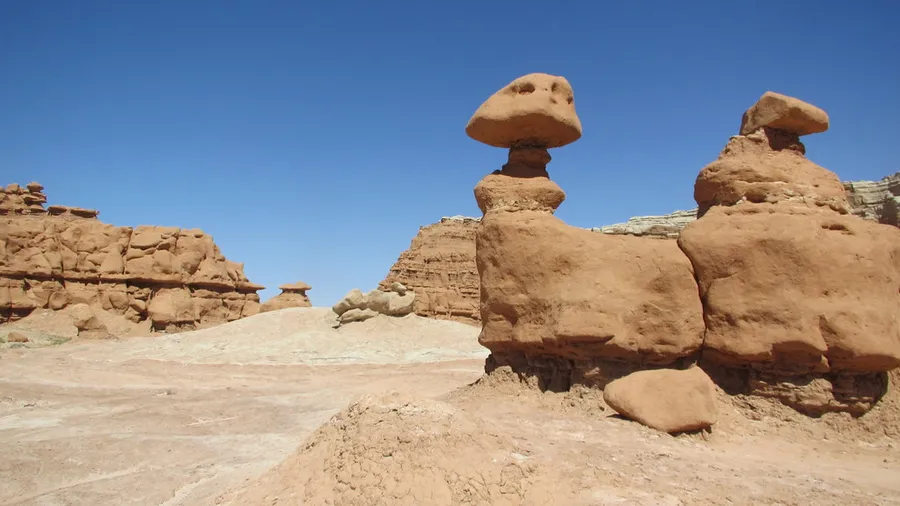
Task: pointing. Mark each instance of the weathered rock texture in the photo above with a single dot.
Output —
(801, 299)
(564, 304)
(292, 295)
(876, 200)
(397, 300)
(668, 400)
(439, 267)
(174, 277)
(667, 226)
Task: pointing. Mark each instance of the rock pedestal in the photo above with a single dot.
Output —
(801, 299)
(560, 304)
(292, 295)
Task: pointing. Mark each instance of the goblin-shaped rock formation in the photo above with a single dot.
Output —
(292, 295)
(560, 304)
(801, 299)
(64, 256)
(356, 306)
(439, 267)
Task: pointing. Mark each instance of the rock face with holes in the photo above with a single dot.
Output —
(175, 277)
(801, 299)
(559, 303)
(292, 295)
(439, 267)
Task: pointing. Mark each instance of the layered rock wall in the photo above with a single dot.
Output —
(174, 277)
(876, 200)
(439, 267)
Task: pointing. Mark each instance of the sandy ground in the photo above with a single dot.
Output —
(255, 412)
(176, 419)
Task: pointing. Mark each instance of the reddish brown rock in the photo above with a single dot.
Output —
(534, 110)
(564, 304)
(767, 166)
(439, 267)
(668, 400)
(169, 275)
(292, 295)
(782, 112)
(796, 292)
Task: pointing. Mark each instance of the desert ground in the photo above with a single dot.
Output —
(256, 412)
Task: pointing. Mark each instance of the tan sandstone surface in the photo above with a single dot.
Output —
(172, 277)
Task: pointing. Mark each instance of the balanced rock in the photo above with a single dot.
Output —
(775, 110)
(797, 292)
(439, 267)
(668, 400)
(560, 303)
(292, 295)
(533, 110)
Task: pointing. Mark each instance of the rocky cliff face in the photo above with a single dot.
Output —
(876, 200)
(62, 256)
(667, 226)
(439, 267)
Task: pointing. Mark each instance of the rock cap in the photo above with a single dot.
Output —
(775, 110)
(299, 286)
(535, 110)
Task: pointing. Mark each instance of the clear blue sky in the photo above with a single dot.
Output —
(312, 139)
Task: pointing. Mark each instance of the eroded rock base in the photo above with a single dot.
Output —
(556, 374)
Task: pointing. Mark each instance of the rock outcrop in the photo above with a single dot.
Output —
(356, 306)
(292, 295)
(559, 303)
(177, 278)
(876, 200)
(801, 299)
(439, 267)
(667, 226)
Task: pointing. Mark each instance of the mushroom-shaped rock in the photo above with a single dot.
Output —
(668, 400)
(775, 110)
(34, 187)
(533, 110)
(292, 295)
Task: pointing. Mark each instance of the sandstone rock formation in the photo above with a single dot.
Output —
(560, 303)
(292, 295)
(668, 400)
(174, 277)
(801, 299)
(667, 226)
(440, 267)
(359, 306)
(876, 200)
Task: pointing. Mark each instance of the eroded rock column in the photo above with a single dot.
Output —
(562, 305)
(801, 299)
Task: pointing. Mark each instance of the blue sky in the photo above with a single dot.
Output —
(312, 139)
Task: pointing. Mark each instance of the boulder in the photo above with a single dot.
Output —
(16, 337)
(775, 110)
(668, 400)
(85, 320)
(534, 110)
(354, 299)
(356, 315)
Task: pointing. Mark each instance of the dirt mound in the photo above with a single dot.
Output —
(397, 449)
